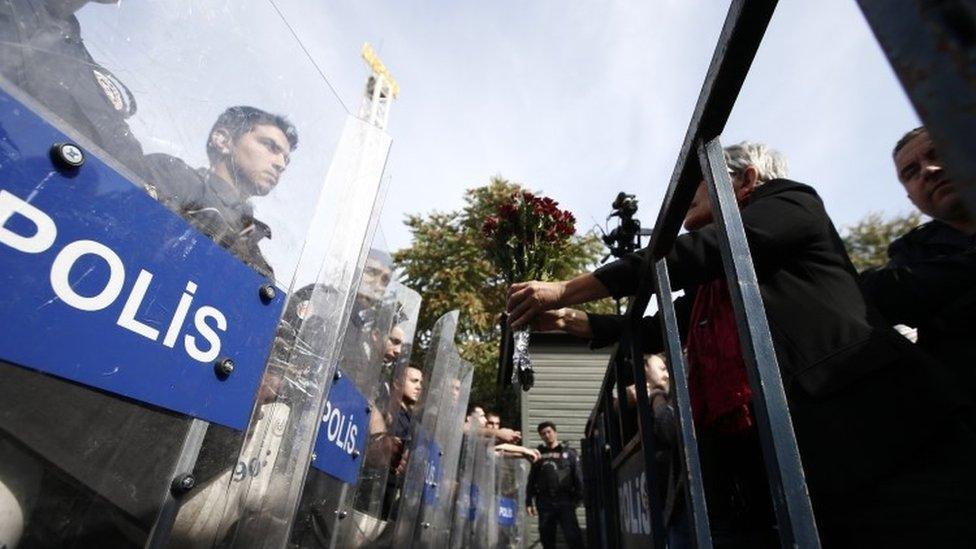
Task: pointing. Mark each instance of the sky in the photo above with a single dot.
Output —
(584, 99)
(579, 100)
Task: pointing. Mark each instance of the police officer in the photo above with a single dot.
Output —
(555, 488)
(248, 150)
(42, 54)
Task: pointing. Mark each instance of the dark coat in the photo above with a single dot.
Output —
(928, 283)
(854, 385)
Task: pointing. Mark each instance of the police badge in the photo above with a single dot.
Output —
(115, 91)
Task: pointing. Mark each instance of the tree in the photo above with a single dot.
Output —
(446, 264)
(867, 240)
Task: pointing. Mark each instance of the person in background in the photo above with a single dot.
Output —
(928, 281)
(494, 424)
(555, 489)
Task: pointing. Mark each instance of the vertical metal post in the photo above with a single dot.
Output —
(645, 424)
(695, 492)
(185, 463)
(797, 527)
(932, 48)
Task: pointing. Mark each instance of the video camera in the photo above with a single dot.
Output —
(625, 238)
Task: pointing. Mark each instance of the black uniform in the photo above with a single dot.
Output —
(215, 207)
(928, 283)
(555, 489)
(41, 52)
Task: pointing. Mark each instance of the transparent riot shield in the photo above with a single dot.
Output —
(362, 516)
(341, 505)
(462, 515)
(154, 213)
(484, 531)
(418, 484)
(511, 476)
(437, 502)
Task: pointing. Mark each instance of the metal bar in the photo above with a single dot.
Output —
(632, 446)
(797, 527)
(626, 413)
(695, 493)
(163, 527)
(932, 48)
(645, 424)
(738, 42)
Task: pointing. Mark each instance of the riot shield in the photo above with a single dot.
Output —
(483, 530)
(511, 476)
(441, 489)
(462, 515)
(154, 212)
(362, 516)
(418, 487)
(356, 448)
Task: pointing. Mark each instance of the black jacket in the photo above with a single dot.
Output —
(928, 283)
(855, 386)
(556, 478)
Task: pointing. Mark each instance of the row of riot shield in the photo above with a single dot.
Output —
(180, 251)
(489, 509)
(427, 490)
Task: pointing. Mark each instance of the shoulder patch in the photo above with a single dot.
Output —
(115, 91)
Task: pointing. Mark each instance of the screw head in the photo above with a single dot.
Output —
(267, 293)
(337, 376)
(369, 409)
(426, 525)
(314, 456)
(342, 514)
(224, 368)
(183, 484)
(67, 155)
(354, 454)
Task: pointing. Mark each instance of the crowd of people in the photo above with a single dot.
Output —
(884, 426)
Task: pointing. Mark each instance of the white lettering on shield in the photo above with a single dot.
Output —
(207, 321)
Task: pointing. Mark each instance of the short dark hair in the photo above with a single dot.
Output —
(241, 119)
(474, 405)
(545, 424)
(911, 134)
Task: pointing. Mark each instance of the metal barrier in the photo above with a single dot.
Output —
(930, 48)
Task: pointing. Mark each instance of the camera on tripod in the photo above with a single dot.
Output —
(625, 238)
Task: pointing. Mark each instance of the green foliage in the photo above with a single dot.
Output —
(447, 264)
(867, 240)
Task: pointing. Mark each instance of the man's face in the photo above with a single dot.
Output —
(548, 435)
(929, 188)
(394, 345)
(258, 158)
(493, 421)
(376, 277)
(657, 373)
(700, 211)
(478, 415)
(413, 381)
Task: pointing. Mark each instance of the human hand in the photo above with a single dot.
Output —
(402, 466)
(531, 510)
(508, 435)
(534, 455)
(550, 321)
(527, 299)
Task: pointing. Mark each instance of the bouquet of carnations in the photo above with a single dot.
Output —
(524, 237)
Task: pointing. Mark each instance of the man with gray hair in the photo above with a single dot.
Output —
(878, 471)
